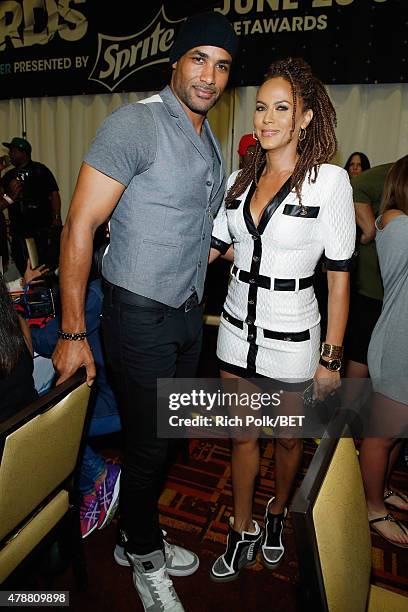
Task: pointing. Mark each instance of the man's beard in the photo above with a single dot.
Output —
(201, 107)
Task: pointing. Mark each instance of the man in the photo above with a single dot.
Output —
(36, 211)
(30, 274)
(157, 169)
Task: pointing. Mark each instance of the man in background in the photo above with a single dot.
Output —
(366, 284)
(36, 211)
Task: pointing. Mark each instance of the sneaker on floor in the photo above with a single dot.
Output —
(272, 545)
(89, 513)
(153, 584)
(241, 552)
(179, 561)
(108, 494)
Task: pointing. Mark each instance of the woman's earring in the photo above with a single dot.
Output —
(254, 136)
(302, 134)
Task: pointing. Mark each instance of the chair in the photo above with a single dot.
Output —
(32, 252)
(332, 535)
(39, 449)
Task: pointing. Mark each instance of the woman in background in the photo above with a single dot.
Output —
(388, 362)
(357, 163)
(16, 358)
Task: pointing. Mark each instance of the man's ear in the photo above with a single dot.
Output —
(174, 64)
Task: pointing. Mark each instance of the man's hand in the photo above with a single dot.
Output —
(69, 355)
(14, 189)
(4, 162)
(365, 220)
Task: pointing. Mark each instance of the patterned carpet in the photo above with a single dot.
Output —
(195, 506)
(197, 502)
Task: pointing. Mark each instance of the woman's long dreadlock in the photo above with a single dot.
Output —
(319, 143)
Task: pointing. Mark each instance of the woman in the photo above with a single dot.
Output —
(388, 361)
(16, 358)
(280, 213)
(357, 163)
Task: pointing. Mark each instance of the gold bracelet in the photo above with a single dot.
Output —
(331, 350)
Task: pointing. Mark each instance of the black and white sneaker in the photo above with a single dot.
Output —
(272, 545)
(241, 552)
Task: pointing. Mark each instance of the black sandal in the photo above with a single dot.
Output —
(389, 494)
(391, 519)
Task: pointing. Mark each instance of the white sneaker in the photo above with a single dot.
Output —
(179, 561)
(153, 584)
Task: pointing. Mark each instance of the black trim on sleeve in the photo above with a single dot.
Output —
(339, 265)
(221, 246)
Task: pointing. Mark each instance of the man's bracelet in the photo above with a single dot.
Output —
(8, 199)
(68, 336)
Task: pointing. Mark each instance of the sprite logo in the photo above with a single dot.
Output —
(120, 56)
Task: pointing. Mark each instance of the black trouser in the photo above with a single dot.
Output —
(145, 340)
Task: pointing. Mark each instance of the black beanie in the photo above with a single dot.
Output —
(211, 28)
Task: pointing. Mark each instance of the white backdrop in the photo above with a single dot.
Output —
(371, 118)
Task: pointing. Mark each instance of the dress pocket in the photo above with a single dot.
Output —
(293, 231)
(305, 212)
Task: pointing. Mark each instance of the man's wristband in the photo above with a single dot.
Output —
(69, 336)
(8, 199)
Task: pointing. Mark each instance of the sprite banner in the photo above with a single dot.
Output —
(66, 47)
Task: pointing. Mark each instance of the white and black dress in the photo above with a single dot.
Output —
(270, 321)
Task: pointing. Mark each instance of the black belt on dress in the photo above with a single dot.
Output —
(279, 284)
(268, 333)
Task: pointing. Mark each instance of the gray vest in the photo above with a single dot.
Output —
(161, 227)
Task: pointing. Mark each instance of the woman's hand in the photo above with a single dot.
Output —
(325, 382)
(30, 275)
